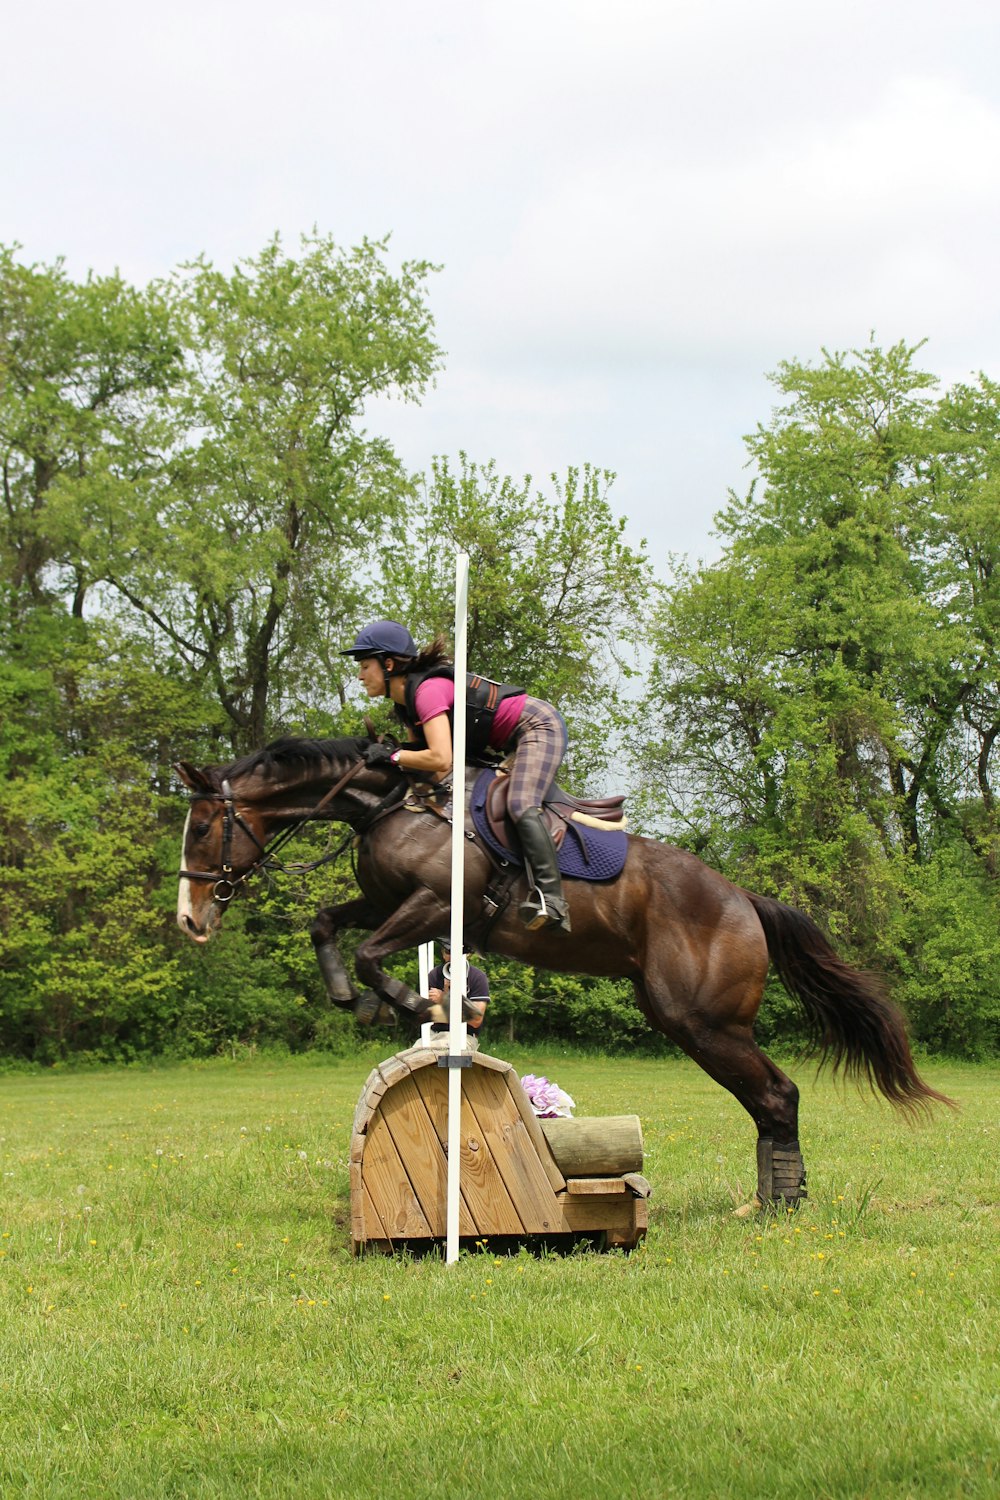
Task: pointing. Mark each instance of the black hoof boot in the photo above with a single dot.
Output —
(338, 985)
(781, 1174)
(367, 1007)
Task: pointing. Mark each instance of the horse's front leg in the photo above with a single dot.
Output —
(328, 923)
(420, 917)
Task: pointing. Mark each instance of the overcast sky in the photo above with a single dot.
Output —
(639, 206)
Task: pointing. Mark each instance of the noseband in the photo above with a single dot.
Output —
(227, 882)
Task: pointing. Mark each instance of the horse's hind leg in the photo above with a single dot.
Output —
(728, 1053)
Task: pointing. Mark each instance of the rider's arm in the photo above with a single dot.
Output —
(436, 759)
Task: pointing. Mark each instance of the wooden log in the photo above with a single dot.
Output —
(606, 1146)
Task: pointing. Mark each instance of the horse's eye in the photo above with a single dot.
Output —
(200, 830)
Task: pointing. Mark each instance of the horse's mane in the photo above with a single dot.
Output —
(289, 752)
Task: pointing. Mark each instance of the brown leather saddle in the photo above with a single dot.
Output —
(560, 809)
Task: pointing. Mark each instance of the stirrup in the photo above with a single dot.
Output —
(539, 914)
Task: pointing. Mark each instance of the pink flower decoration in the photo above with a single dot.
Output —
(547, 1099)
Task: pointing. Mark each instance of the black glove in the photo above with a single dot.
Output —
(377, 755)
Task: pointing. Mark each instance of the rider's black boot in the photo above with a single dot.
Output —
(546, 906)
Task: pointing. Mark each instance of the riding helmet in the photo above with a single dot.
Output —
(382, 638)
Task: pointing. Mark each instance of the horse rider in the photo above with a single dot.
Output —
(499, 717)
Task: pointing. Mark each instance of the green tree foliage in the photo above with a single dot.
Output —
(195, 519)
(824, 696)
(189, 501)
(81, 366)
(251, 533)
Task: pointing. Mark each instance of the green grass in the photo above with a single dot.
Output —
(181, 1314)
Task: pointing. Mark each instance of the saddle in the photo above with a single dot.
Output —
(559, 810)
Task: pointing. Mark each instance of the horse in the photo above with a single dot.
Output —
(696, 947)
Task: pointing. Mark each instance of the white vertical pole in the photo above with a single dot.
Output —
(459, 980)
(425, 954)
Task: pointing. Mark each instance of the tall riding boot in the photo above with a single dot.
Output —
(546, 906)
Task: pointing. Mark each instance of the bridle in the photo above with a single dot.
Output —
(227, 882)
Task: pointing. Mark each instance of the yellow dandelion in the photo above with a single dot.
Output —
(386, 1296)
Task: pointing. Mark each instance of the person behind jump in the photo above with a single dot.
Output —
(499, 717)
(477, 988)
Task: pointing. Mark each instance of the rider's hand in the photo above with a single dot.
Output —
(378, 755)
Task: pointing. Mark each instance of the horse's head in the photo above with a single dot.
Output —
(226, 832)
(222, 842)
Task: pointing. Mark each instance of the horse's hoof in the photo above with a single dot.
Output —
(367, 1008)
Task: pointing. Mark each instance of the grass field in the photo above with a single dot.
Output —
(181, 1314)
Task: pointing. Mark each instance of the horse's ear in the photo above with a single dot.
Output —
(195, 780)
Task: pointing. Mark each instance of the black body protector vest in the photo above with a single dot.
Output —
(482, 699)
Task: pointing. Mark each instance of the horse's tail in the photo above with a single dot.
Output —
(851, 1022)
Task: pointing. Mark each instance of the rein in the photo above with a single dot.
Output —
(227, 882)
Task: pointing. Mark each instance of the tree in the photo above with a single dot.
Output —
(558, 596)
(81, 368)
(244, 549)
(825, 695)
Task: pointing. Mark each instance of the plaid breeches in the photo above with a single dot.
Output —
(539, 739)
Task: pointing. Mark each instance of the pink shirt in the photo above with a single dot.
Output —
(437, 696)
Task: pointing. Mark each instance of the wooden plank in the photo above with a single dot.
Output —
(357, 1206)
(531, 1124)
(629, 1238)
(496, 1064)
(586, 1187)
(393, 1069)
(385, 1177)
(501, 1127)
(482, 1186)
(375, 1087)
(420, 1150)
(418, 1057)
(617, 1215)
(374, 1229)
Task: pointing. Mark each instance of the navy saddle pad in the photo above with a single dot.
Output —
(585, 854)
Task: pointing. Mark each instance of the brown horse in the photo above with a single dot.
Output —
(695, 947)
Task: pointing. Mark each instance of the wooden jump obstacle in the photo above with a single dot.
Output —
(521, 1177)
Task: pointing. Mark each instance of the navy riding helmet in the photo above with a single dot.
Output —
(382, 638)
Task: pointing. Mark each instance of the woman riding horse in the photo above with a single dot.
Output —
(499, 717)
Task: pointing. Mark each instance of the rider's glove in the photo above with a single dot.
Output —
(378, 755)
